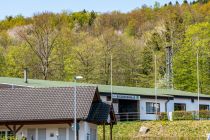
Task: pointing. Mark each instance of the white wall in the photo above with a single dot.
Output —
(85, 129)
(116, 107)
(191, 106)
(53, 128)
(142, 107)
(103, 98)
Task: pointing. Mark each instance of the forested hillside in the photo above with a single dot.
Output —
(58, 46)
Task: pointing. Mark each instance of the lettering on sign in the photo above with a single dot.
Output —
(125, 97)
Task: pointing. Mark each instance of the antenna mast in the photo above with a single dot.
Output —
(169, 71)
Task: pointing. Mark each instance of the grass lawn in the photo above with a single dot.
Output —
(170, 129)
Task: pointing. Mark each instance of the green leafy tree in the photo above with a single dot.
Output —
(2, 62)
(197, 40)
(131, 29)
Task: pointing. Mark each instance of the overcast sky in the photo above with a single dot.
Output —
(29, 7)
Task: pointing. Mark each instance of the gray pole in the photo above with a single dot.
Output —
(75, 110)
(198, 84)
(111, 78)
(156, 88)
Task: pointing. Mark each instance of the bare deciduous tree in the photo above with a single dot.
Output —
(41, 37)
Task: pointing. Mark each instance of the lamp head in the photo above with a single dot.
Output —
(78, 77)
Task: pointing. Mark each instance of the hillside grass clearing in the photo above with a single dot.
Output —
(159, 129)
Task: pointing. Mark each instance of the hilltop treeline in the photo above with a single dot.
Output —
(59, 46)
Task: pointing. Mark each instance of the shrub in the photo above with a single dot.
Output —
(182, 115)
(12, 138)
(163, 116)
(204, 114)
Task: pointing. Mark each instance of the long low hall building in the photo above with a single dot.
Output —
(129, 103)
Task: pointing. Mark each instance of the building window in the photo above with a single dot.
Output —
(92, 134)
(204, 107)
(179, 107)
(2, 134)
(151, 107)
(88, 136)
(108, 98)
(9, 134)
(115, 100)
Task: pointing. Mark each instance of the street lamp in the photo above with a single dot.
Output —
(75, 105)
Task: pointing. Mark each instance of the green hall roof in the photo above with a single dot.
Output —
(102, 88)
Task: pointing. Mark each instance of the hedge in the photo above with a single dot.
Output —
(187, 115)
(204, 114)
(12, 138)
(183, 115)
(163, 116)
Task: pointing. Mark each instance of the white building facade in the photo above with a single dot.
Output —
(87, 131)
(141, 107)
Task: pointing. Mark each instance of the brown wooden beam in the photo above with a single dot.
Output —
(18, 129)
(110, 131)
(14, 130)
(37, 122)
(8, 127)
(104, 131)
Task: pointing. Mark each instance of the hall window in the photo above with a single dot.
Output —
(2, 134)
(108, 98)
(9, 134)
(204, 107)
(151, 107)
(179, 107)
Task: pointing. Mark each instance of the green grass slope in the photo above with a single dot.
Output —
(159, 129)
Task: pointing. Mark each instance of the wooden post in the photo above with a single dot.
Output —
(14, 130)
(104, 131)
(111, 131)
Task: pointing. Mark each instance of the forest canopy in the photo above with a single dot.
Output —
(59, 46)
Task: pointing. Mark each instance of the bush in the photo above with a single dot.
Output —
(12, 138)
(182, 115)
(204, 114)
(163, 116)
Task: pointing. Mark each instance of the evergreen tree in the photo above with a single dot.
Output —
(185, 2)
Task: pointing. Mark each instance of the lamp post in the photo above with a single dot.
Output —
(75, 105)
(198, 84)
(156, 105)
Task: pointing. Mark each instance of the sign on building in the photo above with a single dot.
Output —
(125, 97)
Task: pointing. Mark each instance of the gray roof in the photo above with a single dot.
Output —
(102, 88)
(34, 104)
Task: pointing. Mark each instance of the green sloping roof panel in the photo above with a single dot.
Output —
(102, 88)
